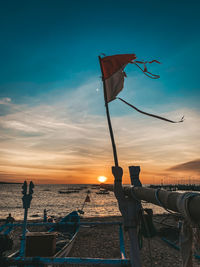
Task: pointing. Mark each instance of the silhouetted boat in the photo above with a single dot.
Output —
(67, 232)
(68, 191)
(95, 186)
(102, 192)
(51, 248)
(56, 243)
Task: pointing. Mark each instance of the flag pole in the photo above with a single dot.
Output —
(108, 118)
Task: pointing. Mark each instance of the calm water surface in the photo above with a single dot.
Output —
(47, 197)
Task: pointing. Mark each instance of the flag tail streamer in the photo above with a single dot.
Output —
(145, 71)
(149, 114)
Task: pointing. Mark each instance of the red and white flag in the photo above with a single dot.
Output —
(113, 73)
(113, 76)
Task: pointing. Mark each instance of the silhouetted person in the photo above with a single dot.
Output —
(45, 216)
(10, 219)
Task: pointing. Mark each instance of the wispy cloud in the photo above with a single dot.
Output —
(191, 166)
(65, 137)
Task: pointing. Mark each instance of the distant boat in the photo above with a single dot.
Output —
(68, 191)
(95, 186)
(102, 192)
(76, 188)
(35, 215)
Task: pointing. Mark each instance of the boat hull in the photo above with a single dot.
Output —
(68, 232)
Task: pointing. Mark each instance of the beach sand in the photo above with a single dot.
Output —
(103, 242)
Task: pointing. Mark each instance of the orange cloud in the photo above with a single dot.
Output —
(64, 141)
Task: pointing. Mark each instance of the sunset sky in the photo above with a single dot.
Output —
(53, 126)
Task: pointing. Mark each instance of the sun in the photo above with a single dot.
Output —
(102, 179)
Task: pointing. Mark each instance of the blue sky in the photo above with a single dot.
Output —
(50, 74)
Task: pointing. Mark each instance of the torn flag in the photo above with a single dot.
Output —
(113, 73)
(113, 76)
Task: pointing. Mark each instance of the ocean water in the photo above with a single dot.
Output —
(47, 197)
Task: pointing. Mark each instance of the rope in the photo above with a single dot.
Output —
(148, 234)
(160, 203)
(183, 203)
(139, 235)
(149, 114)
(186, 234)
(152, 76)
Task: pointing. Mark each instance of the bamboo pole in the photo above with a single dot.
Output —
(168, 199)
(108, 118)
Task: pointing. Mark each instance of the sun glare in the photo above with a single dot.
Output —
(102, 179)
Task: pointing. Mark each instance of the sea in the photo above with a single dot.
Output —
(57, 204)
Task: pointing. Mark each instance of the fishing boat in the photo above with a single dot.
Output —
(102, 192)
(51, 248)
(170, 235)
(68, 191)
(56, 242)
(95, 186)
(67, 233)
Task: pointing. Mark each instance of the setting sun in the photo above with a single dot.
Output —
(102, 179)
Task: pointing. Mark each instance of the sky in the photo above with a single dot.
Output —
(53, 126)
